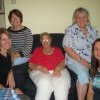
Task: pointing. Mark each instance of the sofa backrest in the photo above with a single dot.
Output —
(56, 40)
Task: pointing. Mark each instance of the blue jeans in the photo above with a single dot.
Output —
(20, 74)
(22, 80)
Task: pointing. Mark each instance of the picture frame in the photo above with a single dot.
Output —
(2, 6)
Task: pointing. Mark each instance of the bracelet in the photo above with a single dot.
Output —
(79, 59)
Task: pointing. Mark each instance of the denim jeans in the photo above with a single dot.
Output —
(20, 74)
(23, 81)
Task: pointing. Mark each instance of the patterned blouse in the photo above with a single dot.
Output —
(80, 43)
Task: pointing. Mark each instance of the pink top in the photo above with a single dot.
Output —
(48, 61)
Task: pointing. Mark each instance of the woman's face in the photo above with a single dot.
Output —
(46, 41)
(97, 50)
(82, 19)
(5, 42)
(15, 21)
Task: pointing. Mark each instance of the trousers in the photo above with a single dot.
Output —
(46, 83)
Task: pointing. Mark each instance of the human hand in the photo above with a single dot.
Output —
(18, 91)
(1, 86)
(43, 69)
(85, 63)
(10, 80)
(15, 55)
(57, 73)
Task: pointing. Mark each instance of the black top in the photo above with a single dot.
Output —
(5, 67)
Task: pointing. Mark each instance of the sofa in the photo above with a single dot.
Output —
(29, 86)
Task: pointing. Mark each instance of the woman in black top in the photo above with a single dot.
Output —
(6, 75)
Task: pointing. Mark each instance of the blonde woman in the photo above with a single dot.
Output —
(77, 44)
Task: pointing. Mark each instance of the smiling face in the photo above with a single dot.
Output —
(5, 42)
(82, 19)
(15, 21)
(97, 50)
(46, 41)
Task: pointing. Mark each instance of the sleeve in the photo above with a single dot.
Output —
(28, 43)
(67, 40)
(59, 54)
(95, 33)
(34, 56)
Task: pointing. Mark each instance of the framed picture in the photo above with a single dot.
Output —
(1, 6)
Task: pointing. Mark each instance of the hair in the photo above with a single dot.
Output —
(78, 11)
(43, 34)
(94, 61)
(17, 12)
(4, 31)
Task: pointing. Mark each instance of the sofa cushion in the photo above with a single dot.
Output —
(56, 40)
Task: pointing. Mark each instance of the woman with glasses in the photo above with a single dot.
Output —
(48, 71)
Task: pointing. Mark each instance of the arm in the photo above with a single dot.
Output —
(10, 80)
(59, 67)
(1, 86)
(28, 43)
(76, 56)
(90, 92)
(38, 67)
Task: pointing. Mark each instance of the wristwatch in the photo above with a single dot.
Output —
(79, 59)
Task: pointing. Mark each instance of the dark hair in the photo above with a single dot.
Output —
(94, 61)
(17, 12)
(78, 11)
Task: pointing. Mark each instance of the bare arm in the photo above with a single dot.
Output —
(90, 92)
(37, 67)
(59, 67)
(10, 80)
(76, 56)
(1, 86)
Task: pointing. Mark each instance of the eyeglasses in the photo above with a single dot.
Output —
(45, 40)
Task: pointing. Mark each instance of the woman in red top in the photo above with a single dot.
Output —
(48, 71)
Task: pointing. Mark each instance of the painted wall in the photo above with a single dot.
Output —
(52, 15)
(2, 20)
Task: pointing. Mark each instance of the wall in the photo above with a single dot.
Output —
(2, 14)
(2, 20)
(52, 15)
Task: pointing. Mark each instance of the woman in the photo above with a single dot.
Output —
(6, 75)
(22, 41)
(48, 71)
(94, 86)
(77, 45)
